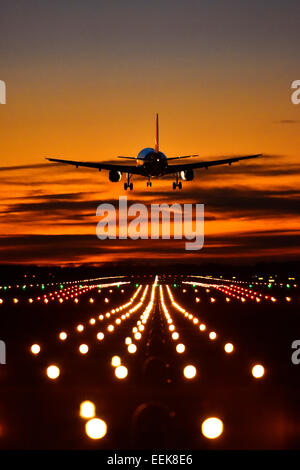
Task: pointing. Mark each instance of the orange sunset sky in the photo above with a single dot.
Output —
(84, 81)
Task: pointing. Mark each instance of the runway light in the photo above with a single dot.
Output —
(110, 328)
(87, 409)
(180, 348)
(212, 335)
(100, 336)
(96, 428)
(258, 371)
(35, 349)
(132, 348)
(202, 327)
(121, 372)
(80, 328)
(229, 348)
(128, 340)
(115, 361)
(190, 372)
(175, 335)
(83, 348)
(63, 336)
(53, 372)
(92, 321)
(212, 428)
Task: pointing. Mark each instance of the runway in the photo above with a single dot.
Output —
(146, 361)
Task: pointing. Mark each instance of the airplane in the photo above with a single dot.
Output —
(152, 163)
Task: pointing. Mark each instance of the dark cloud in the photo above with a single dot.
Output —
(287, 121)
(61, 249)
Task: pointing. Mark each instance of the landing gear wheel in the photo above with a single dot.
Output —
(149, 184)
(174, 186)
(180, 185)
(131, 186)
(125, 186)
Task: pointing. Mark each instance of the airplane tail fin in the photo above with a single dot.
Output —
(157, 135)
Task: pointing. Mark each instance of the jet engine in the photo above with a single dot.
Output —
(187, 175)
(115, 176)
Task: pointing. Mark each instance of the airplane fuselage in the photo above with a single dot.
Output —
(154, 163)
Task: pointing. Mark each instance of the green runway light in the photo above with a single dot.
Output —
(288, 286)
(118, 286)
(61, 286)
(136, 285)
(42, 287)
(269, 286)
(175, 285)
(80, 286)
(194, 285)
(24, 287)
(5, 287)
(250, 285)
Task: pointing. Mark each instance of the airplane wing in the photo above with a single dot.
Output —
(134, 170)
(191, 166)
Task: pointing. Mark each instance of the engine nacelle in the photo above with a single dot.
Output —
(115, 176)
(187, 175)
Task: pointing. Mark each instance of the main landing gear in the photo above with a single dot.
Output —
(128, 185)
(177, 184)
(149, 183)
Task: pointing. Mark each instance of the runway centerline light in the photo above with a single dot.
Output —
(87, 409)
(83, 348)
(53, 372)
(115, 361)
(229, 348)
(96, 428)
(35, 349)
(212, 428)
(131, 348)
(190, 372)
(121, 372)
(258, 371)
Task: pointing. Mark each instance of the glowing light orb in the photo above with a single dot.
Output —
(83, 348)
(53, 372)
(180, 348)
(87, 409)
(35, 349)
(229, 348)
(190, 372)
(132, 348)
(258, 371)
(212, 428)
(115, 361)
(96, 428)
(121, 372)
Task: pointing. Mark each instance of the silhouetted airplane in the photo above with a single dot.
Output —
(150, 162)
